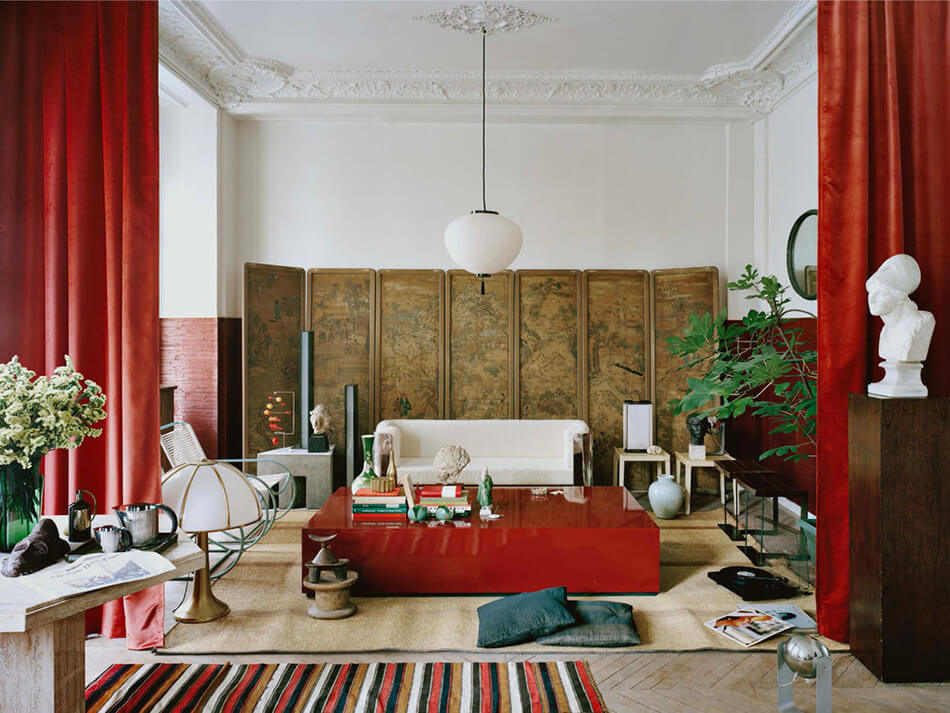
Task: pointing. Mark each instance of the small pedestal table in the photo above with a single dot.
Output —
(42, 639)
(622, 457)
(685, 463)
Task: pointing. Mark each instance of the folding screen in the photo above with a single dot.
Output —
(677, 294)
(429, 344)
(342, 317)
(409, 343)
(548, 375)
(617, 316)
(479, 358)
(273, 318)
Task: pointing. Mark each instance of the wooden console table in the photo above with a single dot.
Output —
(42, 640)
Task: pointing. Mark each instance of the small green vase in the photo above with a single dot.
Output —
(21, 501)
(362, 480)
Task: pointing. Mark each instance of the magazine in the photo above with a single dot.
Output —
(788, 613)
(748, 626)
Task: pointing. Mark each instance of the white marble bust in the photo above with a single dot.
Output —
(907, 331)
(320, 419)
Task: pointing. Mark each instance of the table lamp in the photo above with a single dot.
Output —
(208, 496)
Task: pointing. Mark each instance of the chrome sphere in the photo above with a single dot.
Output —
(800, 652)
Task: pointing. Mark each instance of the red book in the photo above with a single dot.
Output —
(440, 491)
(357, 516)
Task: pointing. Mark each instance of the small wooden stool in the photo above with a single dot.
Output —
(331, 597)
(330, 581)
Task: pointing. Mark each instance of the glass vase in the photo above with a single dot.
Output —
(21, 500)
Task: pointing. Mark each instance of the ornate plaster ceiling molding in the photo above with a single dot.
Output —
(202, 52)
(487, 17)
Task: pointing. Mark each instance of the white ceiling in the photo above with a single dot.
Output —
(677, 37)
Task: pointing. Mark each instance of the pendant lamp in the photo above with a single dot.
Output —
(483, 242)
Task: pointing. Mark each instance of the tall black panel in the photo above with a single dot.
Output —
(352, 432)
(305, 399)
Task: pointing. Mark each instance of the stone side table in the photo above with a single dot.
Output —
(314, 469)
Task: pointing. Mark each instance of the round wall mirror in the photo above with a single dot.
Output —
(801, 255)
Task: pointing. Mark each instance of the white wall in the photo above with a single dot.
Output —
(188, 222)
(792, 170)
(374, 194)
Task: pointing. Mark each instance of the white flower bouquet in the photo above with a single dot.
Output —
(37, 415)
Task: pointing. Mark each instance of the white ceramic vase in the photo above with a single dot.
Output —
(666, 497)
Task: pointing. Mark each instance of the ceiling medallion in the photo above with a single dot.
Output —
(485, 18)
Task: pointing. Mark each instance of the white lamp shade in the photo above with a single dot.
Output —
(483, 243)
(210, 496)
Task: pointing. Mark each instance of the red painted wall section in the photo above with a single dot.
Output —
(748, 436)
(202, 357)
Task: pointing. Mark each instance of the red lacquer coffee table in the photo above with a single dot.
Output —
(591, 540)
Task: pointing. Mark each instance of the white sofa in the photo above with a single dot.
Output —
(516, 452)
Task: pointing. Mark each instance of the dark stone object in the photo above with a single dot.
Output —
(37, 550)
(319, 443)
(698, 427)
(523, 617)
(599, 624)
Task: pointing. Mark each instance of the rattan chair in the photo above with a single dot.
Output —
(181, 446)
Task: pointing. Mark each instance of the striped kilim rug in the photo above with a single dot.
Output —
(523, 687)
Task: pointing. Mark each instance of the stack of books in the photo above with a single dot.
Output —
(389, 505)
(453, 497)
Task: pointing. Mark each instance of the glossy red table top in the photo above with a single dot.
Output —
(567, 507)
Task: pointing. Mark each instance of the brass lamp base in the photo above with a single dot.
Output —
(202, 605)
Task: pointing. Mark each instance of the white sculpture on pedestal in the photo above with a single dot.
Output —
(905, 338)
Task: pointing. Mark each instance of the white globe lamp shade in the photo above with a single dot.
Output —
(210, 496)
(483, 243)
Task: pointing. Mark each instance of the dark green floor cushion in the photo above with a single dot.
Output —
(523, 617)
(606, 624)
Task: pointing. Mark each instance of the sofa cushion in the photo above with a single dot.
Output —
(504, 471)
(599, 624)
(523, 617)
(514, 438)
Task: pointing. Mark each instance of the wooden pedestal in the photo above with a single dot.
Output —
(900, 553)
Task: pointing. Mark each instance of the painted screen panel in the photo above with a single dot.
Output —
(479, 375)
(273, 319)
(548, 344)
(676, 295)
(618, 359)
(342, 310)
(409, 343)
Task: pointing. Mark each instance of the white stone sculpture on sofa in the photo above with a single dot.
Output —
(450, 461)
(905, 338)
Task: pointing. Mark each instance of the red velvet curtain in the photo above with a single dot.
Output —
(79, 242)
(884, 188)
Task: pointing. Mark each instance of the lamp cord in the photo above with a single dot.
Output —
(484, 37)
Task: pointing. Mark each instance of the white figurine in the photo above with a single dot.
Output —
(320, 419)
(905, 338)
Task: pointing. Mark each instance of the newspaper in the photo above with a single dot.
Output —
(748, 626)
(95, 571)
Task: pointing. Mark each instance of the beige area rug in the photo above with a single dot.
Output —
(268, 611)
